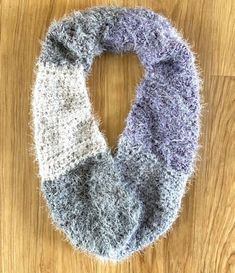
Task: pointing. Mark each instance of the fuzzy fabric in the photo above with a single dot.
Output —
(113, 205)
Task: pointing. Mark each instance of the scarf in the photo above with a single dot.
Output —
(112, 205)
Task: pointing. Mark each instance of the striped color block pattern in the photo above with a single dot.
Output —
(114, 205)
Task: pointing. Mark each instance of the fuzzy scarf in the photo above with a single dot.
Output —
(114, 205)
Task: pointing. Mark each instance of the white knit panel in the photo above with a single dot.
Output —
(65, 129)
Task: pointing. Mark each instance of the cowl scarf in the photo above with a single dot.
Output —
(114, 205)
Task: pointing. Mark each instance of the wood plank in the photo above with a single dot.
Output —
(203, 238)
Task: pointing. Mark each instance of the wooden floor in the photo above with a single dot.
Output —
(203, 238)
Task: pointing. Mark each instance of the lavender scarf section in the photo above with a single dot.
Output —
(114, 205)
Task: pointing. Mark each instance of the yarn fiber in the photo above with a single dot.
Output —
(114, 205)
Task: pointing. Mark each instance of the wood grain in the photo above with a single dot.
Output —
(203, 238)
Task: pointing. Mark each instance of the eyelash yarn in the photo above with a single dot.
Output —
(114, 205)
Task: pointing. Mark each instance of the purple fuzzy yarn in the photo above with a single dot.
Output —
(164, 118)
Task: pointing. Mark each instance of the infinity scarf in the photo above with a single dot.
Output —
(114, 205)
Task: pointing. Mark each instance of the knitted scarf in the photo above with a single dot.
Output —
(113, 205)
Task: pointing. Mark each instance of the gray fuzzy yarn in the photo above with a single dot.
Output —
(112, 206)
(79, 38)
(93, 207)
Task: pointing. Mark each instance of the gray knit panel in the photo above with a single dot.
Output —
(93, 208)
(79, 38)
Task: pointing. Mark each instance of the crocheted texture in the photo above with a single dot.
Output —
(66, 131)
(112, 206)
(92, 206)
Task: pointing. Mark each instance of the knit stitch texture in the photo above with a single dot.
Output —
(114, 205)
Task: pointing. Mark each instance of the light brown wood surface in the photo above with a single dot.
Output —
(203, 238)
